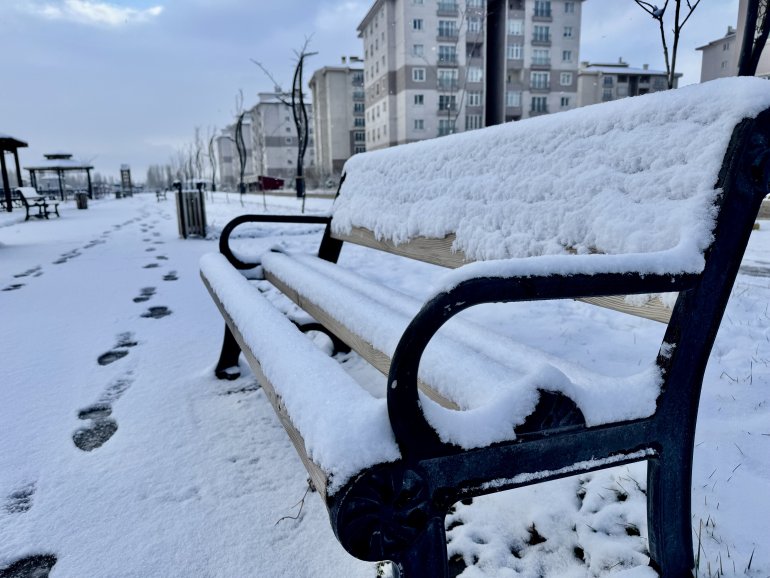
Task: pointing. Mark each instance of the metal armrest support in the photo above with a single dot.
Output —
(416, 438)
(224, 239)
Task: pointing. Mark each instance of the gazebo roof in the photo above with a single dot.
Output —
(9, 143)
(58, 163)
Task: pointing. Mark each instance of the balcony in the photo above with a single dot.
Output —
(541, 64)
(445, 130)
(542, 16)
(447, 109)
(538, 111)
(540, 87)
(448, 9)
(448, 84)
(448, 35)
(541, 40)
(447, 60)
(359, 95)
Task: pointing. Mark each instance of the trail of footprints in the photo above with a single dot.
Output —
(101, 426)
(19, 502)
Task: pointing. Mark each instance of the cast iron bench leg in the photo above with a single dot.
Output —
(228, 358)
(428, 557)
(668, 507)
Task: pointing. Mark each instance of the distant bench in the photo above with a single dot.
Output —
(30, 200)
(592, 204)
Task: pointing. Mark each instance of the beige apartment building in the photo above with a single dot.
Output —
(338, 101)
(424, 65)
(603, 82)
(274, 140)
(720, 57)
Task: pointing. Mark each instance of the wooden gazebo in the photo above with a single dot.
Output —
(8, 144)
(59, 164)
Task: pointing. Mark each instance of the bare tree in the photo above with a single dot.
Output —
(212, 159)
(755, 34)
(296, 100)
(682, 13)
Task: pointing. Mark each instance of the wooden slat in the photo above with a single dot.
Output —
(378, 359)
(317, 475)
(439, 252)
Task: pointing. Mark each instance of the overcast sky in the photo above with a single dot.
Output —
(127, 81)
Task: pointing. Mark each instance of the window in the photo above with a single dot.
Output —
(418, 49)
(358, 107)
(541, 56)
(542, 34)
(474, 98)
(724, 64)
(447, 54)
(447, 102)
(358, 77)
(608, 81)
(447, 78)
(358, 136)
(515, 27)
(445, 127)
(358, 121)
(475, 74)
(539, 104)
(726, 46)
(473, 50)
(515, 51)
(472, 121)
(419, 124)
(543, 8)
(644, 78)
(565, 78)
(447, 28)
(418, 74)
(513, 98)
(622, 79)
(474, 24)
(540, 80)
(359, 149)
(607, 94)
(569, 7)
(659, 83)
(565, 101)
(475, 3)
(419, 99)
(566, 55)
(568, 32)
(417, 2)
(417, 24)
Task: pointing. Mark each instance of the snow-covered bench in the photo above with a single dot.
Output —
(651, 197)
(28, 198)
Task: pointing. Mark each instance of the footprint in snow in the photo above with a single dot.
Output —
(13, 287)
(20, 500)
(101, 428)
(35, 566)
(146, 294)
(125, 341)
(150, 266)
(170, 276)
(156, 312)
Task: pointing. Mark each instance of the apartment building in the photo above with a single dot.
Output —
(603, 82)
(720, 57)
(424, 65)
(338, 100)
(227, 154)
(274, 140)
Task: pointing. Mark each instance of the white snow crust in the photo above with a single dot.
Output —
(631, 176)
(493, 379)
(344, 428)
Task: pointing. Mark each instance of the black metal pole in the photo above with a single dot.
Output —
(495, 64)
(6, 184)
(19, 180)
(90, 186)
(755, 33)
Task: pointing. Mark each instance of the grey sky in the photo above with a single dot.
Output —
(127, 81)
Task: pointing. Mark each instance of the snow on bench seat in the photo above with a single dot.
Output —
(343, 429)
(492, 378)
(631, 176)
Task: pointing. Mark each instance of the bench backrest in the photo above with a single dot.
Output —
(632, 176)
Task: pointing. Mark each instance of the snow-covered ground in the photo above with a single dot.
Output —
(110, 338)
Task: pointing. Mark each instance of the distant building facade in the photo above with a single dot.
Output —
(338, 113)
(599, 82)
(424, 65)
(720, 57)
(227, 154)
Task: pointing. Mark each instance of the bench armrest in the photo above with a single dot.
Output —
(224, 239)
(415, 436)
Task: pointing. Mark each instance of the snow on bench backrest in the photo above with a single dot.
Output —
(635, 175)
